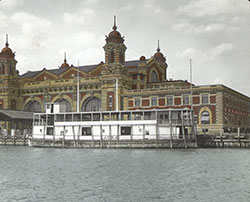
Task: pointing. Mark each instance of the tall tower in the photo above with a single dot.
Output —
(114, 74)
(7, 60)
(9, 91)
(114, 52)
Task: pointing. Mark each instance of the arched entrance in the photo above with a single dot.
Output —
(91, 104)
(33, 106)
(64, 104)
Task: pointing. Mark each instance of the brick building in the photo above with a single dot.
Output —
(142, 84)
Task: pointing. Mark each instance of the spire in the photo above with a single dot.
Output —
(114, 27)
(7, 44)
(65, 60)
(158, 49)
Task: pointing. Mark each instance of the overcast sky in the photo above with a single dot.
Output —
(214, 33)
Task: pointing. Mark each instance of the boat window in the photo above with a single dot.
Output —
(126, 130)
(59, 117)
(86, 117)
(147, 116)
(68, 117)
(50, 131)
(77, 117)
(86, 131)
(96, 117)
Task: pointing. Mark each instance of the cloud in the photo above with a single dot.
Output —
(3, 20)
(82, 17)
(189, 28)
(222, 49)
(205, 8)
(209, 55)
(34, 29)
(11, 3)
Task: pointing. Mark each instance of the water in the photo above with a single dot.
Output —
(41, 174)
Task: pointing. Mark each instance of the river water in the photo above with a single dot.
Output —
(126, 175)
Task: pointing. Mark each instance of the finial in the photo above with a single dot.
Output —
(158, 49)
(6, 44)
(114, 27)
(65, 60)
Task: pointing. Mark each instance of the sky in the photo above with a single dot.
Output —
(215, 34)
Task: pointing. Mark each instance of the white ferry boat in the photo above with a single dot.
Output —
(112, 128)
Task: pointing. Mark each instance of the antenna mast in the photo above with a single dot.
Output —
(78, 89)
(191, 84)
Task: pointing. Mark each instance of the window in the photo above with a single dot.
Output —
(205, 117)
(154, 76)
(204, 98)
(137, 102)
(125, 130)
(91, 104)
(86, 131)
(153, 101)
(50, 131)
(112, 57)
(169, 100)
(185, 99)
(110, 103)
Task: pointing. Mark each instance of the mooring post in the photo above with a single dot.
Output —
(131, 136)
(239, 136)
(143, 136)
(156, 134)
(92, 135)
(78, 136)
(63, 143)
(183, 131)
(118, 136)
(171, 130)
(74, 136)
(101, 136)
(53, 144)
(44, 129)
(109, 135)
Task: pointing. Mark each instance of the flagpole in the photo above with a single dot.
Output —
(78, 89)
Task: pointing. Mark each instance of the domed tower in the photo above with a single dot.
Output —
(7, 60)
(9, 80)
(158, 56)
(64, 64)
(160, 60)
(114, 47)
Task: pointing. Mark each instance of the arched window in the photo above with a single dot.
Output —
(112, 57)
(91, 104)
(65, 106)
(33, 106)
(205, 117)
(154, 76)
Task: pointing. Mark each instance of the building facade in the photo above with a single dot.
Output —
(117, 84)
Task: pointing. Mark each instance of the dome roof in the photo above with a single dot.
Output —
(142, 58)
(65, 64)
(115, 36)
(6, 51)
(158, 55)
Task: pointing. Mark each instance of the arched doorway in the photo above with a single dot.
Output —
(33, 106)
(64, 104)
(91, 104)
